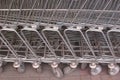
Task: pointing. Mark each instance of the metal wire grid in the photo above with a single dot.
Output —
(19, 47)
(4, 50)
(99, 43)
(57, 42)
(34, 38)
(68, 11)
(113, 37)
(78, 42)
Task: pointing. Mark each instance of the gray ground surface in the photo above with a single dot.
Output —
(30, 74)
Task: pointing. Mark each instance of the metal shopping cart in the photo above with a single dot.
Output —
(6, 54)
(32, 35)
(23, 52)
(98, 41)
(54, 36)
(113, 38)
(77, 41)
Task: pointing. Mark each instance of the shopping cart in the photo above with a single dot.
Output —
(6, 54)
(23, 52)
(113, 38)
(97, 38)
(79, 44)
(53, 35)
(33, 37)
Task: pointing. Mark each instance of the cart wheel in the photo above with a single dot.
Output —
(58, 72)
(39, 69)
(68, 70)
(96, 71)
(83, 66)
(21, 69)
(114, 71)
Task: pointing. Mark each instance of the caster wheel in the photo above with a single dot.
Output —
(83, 66)
(21, 69)
(96, 71)
(39, 69)
(114, 71)
(57, 72)
(68, 70)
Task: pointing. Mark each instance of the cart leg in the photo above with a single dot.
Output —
(57, 72)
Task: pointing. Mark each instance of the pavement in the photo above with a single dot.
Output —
(10, 73)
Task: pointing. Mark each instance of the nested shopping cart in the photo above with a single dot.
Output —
(6, 54)
(113, 38)
(63, 40)
(53, 35)
(20, 48)
(75, 36)
(97, 39)
(32, 35)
